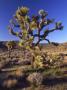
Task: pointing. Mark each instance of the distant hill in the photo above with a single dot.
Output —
(2, 44)
(46, 47)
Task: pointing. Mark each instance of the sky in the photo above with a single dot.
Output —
(56, 9)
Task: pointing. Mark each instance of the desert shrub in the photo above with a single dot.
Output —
(35, 78)
(56, 59)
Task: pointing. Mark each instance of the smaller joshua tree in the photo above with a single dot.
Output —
(10, 45)
(27, 24)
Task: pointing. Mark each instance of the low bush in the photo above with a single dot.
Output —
(35, 78)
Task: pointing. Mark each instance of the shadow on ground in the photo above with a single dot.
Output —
(23, 83)
(54, 81)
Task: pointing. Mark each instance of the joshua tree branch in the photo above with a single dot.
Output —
(14, 23)
(48, 41)
(15, 33)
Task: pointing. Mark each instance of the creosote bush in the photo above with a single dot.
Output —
(26, 25)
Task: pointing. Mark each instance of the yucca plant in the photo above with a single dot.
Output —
(27, 24)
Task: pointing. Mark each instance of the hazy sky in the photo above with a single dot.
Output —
(56, 9)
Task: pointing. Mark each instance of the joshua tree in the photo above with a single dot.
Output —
(10, 45)
(27, 24)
